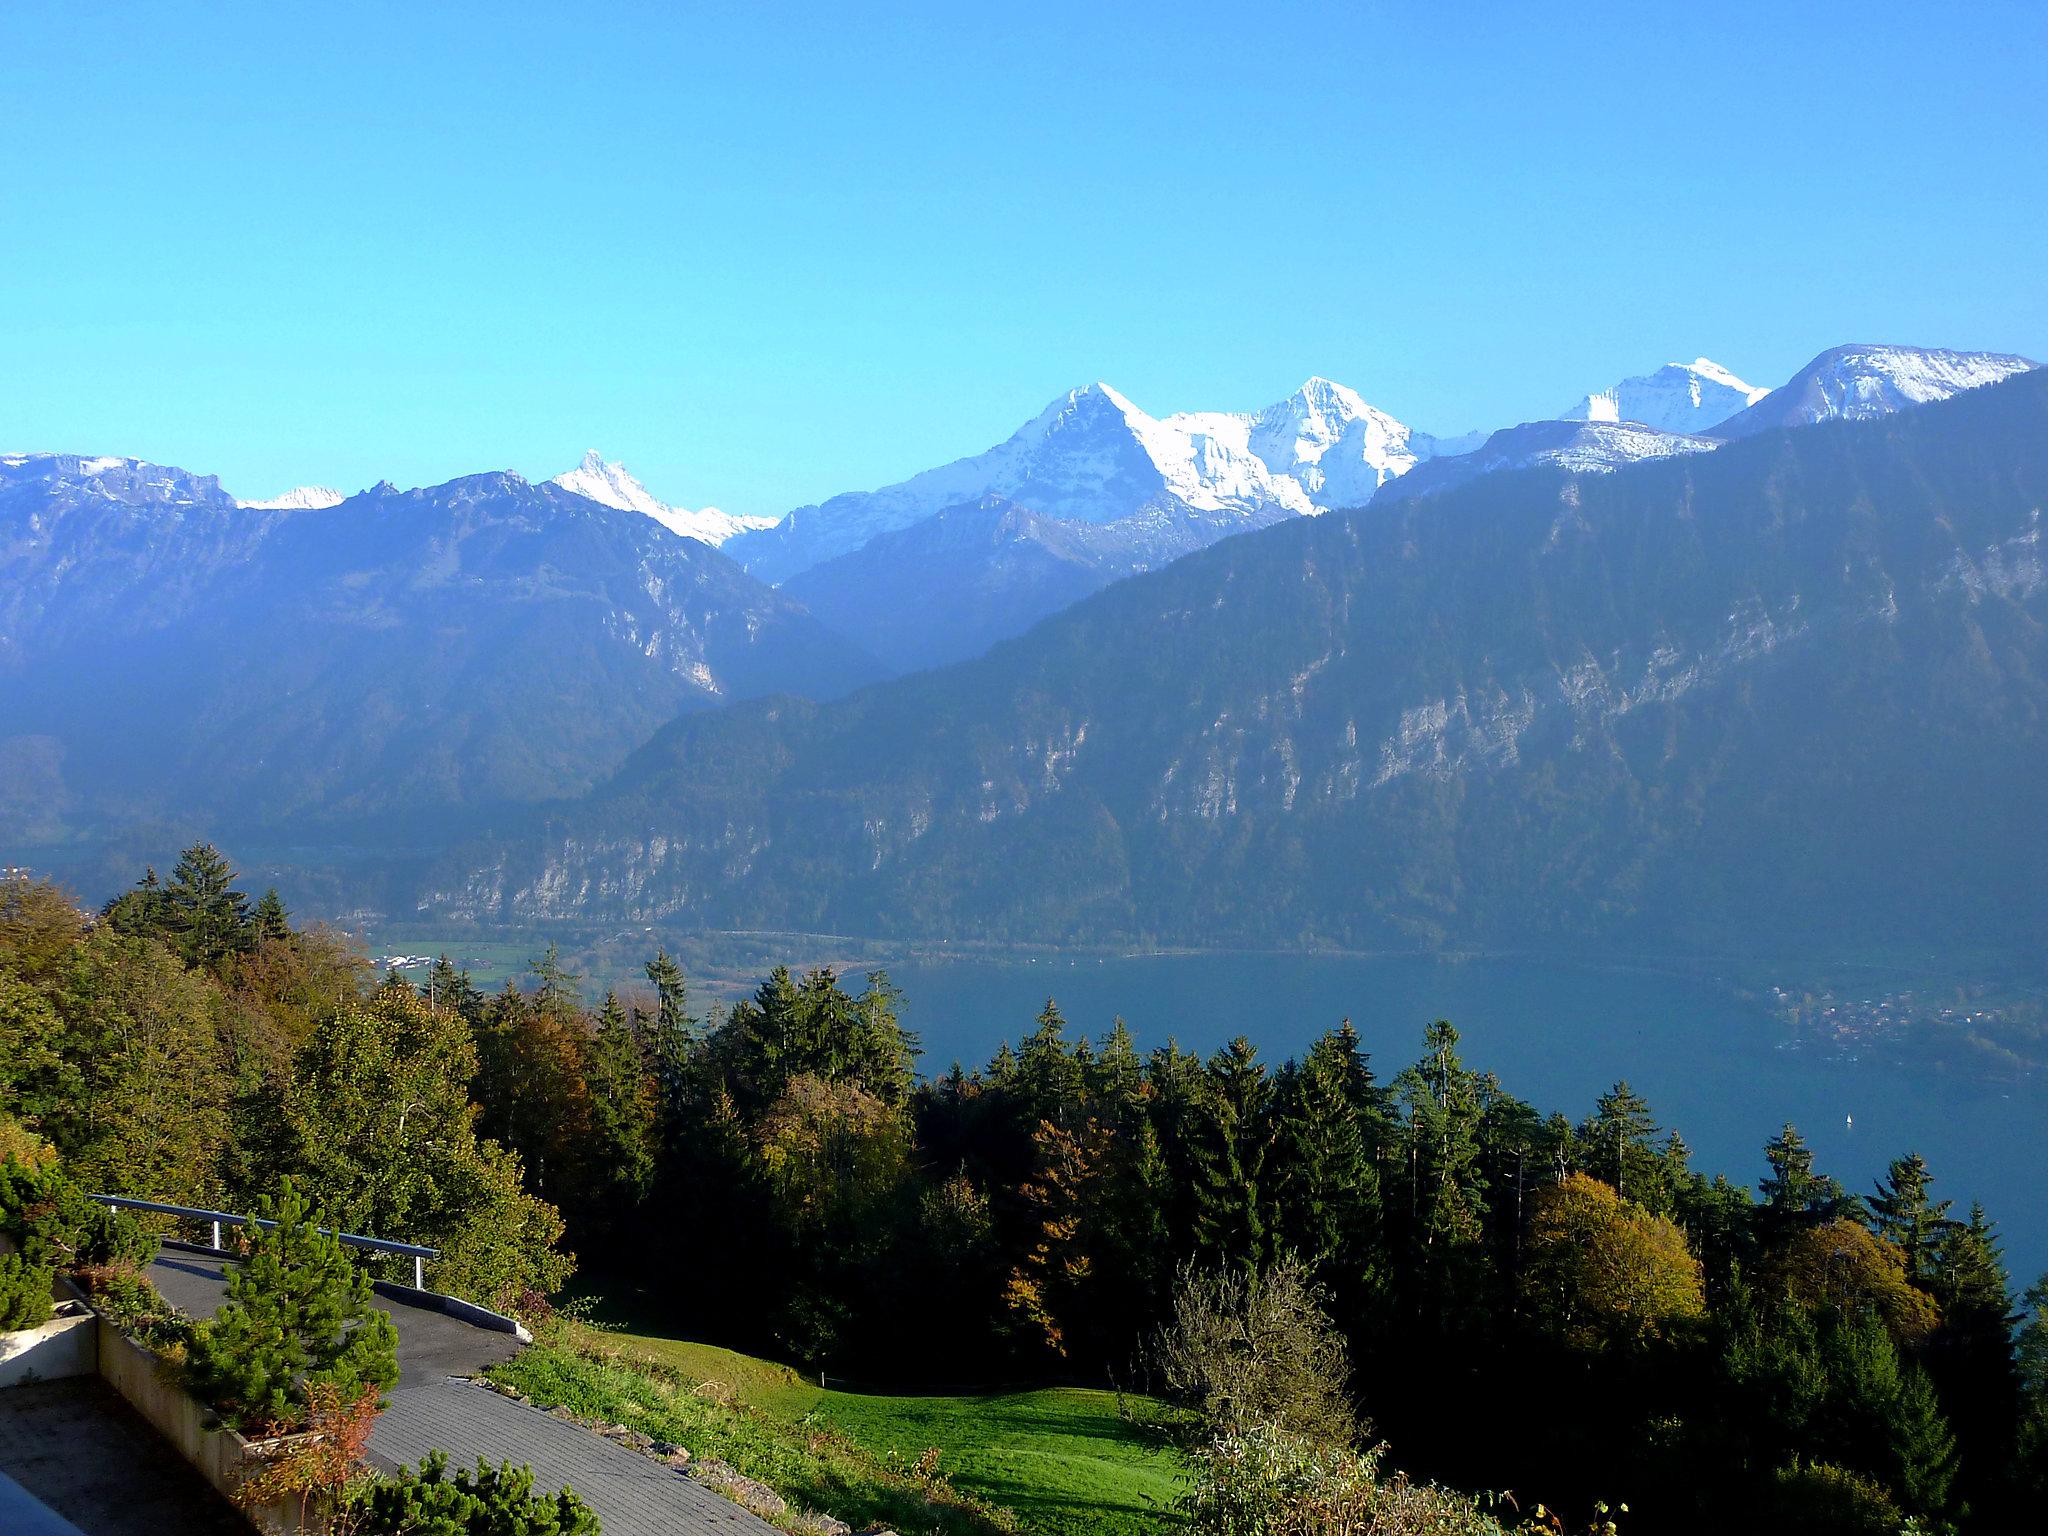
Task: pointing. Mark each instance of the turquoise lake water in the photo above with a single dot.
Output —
(1709, 1064)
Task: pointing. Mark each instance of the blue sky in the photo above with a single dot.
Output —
(768, 252)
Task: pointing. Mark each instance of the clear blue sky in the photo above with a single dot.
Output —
(764, 252)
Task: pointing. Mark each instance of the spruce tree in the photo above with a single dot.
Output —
(1444, 1206)
(1618, 1142)
(622, 1114)
(207, 918)
(452, 989)
(1905, 1217)
(270, 921)
(1233, 1217)
(1328, 1185)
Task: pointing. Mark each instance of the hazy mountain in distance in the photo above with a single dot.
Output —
(402, 654)
(304, 498)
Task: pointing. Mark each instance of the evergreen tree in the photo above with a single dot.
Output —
(554, 986)
(1618, 1147)
(1328, 1128)
(1233, 1216)
(1050, 1080)
(1445, 1193)
(298, 1313)
(270, 922)
(623, 1115)
(1905, 1217)
(142, 912)
(452, 989)
(1793, 1194)
(207, 918)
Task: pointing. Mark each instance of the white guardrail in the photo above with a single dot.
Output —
(414, 1251)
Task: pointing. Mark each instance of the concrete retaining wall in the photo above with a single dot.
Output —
(222, 1456)
(67, 1345)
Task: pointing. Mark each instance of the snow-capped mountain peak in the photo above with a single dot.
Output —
(607, 483)
(1859, 381)
(303, 498)
(1686, 398)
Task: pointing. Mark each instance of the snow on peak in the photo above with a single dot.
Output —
(1094, 456)
(1857, 382)
(1686, 398)
(608, 484)
(304, 498)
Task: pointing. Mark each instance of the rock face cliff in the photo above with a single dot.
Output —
(1755, 698)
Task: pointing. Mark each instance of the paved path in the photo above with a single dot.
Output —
(86, 1454)
(432, 1409)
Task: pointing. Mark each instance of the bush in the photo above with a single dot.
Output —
(1819, 1499)
(24, 1293)
(298, 1314)
(485, 1502)
(56, 1223)
(1267, 1482)
(126, 1299)
(1245, 1350)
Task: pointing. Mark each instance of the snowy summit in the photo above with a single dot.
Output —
(608, 484)
(1092, 456)
(1686, 398)
(304, 498)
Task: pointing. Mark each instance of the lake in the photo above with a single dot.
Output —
(1709, 1064)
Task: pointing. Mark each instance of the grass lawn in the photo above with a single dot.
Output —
(1060, 1458)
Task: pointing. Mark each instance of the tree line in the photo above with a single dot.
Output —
(1529, 1301)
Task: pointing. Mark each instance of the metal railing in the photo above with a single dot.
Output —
(414, 1251)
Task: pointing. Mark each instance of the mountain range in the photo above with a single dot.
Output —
(404, 668)
(392, 658)
(1113, 490)
(1745, 700)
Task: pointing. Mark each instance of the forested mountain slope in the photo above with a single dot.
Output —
(1766, 697)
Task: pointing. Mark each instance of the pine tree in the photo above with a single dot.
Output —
(207, 918)
(298, 1313)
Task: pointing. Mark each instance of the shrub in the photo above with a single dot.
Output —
(1255, 1349)
(24, 1293)
(57, 1223)
(1820, 1499)
(126, 1299)
(298, 1314)
(316, 1471)
(19, 1144)
(1267, 1482)
(486, 1502)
